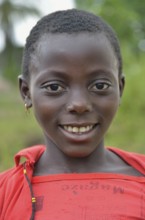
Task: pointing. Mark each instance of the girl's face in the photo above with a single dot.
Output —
(75, 90)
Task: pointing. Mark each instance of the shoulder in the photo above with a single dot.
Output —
(10, 182)
(14, 187)
(31, 155)
(135, 160)
(9, 179)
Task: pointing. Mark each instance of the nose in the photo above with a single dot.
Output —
(79, 103)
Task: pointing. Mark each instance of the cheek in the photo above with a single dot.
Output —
(46, 109)
(108, 107)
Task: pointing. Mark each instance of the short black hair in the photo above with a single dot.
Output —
(68, 21)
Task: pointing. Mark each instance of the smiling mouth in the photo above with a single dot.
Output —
(78, 129)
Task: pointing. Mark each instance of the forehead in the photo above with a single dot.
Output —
(77, 47)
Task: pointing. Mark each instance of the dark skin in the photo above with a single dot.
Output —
(75, 91)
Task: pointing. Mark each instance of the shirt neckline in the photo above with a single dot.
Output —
(83, 176)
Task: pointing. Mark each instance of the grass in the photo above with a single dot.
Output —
(19, 130)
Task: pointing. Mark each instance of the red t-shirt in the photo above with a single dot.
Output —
(89, 197)
(71, 196)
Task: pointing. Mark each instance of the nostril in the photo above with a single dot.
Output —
(79, 107)
(70, 108)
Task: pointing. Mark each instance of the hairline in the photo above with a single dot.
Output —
(45, 26)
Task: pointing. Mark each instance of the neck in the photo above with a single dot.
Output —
(54, 161)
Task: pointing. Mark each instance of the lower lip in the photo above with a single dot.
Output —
(80, 137)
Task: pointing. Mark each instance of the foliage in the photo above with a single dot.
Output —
(127, 131)
(17, 128)
(8, 13)
(125, 16)
(10, 57)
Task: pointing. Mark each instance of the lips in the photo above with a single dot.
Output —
(79, 132)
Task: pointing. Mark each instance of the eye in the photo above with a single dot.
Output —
(54, 88)
(101, 86)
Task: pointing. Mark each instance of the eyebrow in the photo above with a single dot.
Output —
(54, 74)
(60, 74)
(101, 72)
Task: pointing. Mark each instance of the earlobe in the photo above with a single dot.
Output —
(25, 91)
(121, 84)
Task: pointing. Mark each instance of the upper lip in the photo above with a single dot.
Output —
(83, 124)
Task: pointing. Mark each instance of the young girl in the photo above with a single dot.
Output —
(72, 78)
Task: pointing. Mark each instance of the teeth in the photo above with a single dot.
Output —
(78, 129)
(75, 129)
(69, 128)
(83, 129)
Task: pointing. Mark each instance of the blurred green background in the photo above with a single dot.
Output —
(19, 130)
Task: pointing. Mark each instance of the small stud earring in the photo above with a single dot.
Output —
(27, 108)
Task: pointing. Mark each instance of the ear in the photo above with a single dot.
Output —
(25, 91)
(121, 84)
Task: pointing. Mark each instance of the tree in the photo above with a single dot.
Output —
(9, 58)
(125, 16)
